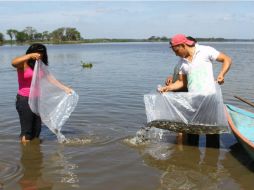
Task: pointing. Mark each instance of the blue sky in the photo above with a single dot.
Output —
(130, 19)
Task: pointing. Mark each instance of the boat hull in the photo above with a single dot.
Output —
(241, 123)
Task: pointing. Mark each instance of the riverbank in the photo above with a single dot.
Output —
(112, 40)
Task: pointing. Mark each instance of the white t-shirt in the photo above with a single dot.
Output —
(199, 71)
(176, 71)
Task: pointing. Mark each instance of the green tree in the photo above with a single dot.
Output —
(72, 34)
(153, 38)
(22, 37)
(12, 33)
(65, 34)
(38, 36)
(164, 38)
(30, 31)
(45, 36)
(58, 34)
(1, 38)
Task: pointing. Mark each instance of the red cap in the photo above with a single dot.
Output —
(180, 39)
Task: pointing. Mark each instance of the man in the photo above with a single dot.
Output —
(195, 71)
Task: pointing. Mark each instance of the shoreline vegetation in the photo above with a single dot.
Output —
(67, 35)
(116, 40)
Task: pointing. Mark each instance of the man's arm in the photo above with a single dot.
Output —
(180, 84)
(226, 63)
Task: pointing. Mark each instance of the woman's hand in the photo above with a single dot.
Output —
(35, 56)
(68, 90)
(19, 62)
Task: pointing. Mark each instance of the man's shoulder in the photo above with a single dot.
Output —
(204, 47)
(206, 50)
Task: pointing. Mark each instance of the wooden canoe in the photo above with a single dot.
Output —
(241, 123)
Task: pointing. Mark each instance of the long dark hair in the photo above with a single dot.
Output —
(37, 48)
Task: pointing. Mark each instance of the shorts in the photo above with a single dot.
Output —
(29, 121)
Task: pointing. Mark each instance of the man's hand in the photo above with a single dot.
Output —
(220, 79)
(164, 89)
(169, 80)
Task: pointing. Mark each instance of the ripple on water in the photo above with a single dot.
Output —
(141, 138)
(181, 178)
(146, 135)
(77, 141)
(8, 171)
(160, 151)
(135, 141)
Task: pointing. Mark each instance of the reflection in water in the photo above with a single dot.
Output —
(188, 168)
(184, 166)
(68, 171)
(63, 168)
(60, 170)
(32, 161)
(241, 167)
(241, 156)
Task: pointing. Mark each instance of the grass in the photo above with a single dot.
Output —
(86, 64)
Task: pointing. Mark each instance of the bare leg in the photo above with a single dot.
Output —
(179, 138)
(23, 140)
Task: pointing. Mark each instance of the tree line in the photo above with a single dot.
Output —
(68, 34)
(30, 34)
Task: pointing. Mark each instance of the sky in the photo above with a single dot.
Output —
(132, 19)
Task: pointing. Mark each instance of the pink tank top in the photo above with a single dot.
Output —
(24, 80)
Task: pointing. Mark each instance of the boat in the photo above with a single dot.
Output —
(241, 123)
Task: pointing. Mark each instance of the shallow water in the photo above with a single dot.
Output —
(107, 146)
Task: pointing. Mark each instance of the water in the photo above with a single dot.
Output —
(102, 149)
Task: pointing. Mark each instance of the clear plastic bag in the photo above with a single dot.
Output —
(187, 108)
(49, 100)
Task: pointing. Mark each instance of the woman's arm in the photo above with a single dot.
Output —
(19, 62)
(55, 82)
(226, 63)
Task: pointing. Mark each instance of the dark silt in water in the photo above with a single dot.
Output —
(187, 128)
(108, 145)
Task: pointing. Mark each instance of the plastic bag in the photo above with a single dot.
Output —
(49, 101)
(187, 108)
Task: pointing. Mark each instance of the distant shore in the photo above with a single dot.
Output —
(110, 40)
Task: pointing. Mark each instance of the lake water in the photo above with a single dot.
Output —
(101, 153)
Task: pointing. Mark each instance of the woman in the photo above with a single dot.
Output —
(30, 122)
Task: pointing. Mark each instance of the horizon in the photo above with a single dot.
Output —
(133, 20)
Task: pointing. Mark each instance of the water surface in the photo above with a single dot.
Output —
(101, 153)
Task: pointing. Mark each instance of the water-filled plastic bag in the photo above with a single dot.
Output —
(48, 99)
(190, 109)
